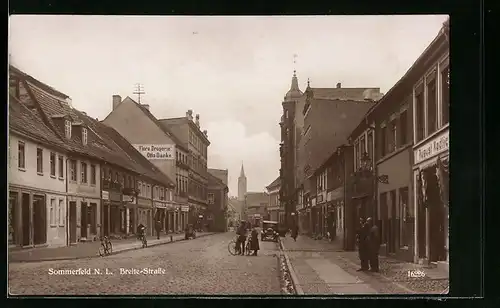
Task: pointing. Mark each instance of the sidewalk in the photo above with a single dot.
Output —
(90, 249)
(322, 267)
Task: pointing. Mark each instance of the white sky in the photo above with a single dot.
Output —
(233, 71)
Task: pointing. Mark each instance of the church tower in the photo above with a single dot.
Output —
(242, 185)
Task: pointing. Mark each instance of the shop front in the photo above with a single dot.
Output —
(130, 203)
(112, 213)
(431, 175)
(160, 214)
(184, 212)
(144, 214)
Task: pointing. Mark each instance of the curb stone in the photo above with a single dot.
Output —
(293, 276)
(98, 256)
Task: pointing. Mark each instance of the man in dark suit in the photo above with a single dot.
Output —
(373, 245)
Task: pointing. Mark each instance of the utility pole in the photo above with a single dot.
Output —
(139, 89)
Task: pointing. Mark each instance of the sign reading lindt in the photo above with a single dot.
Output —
(433, 147)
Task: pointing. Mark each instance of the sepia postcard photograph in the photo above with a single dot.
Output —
(228, 155)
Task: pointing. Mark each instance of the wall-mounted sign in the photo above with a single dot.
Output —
(105, 195)
(160, 205)
(185, 208)
(156, 151)
(439, 144)
(128, 198)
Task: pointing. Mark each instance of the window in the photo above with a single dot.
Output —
(72, 170)
(156, 192)
(39, 160)
(148, 191)
(67, 129)
(211, 198)
(445, 95)
(286, 114)
(383, 146)
(83, 171)
(403, 128)
(356, 156)
(370, 145)
(61, 212)
(431, 105)
(52, 164)
(419, 114)
(93, 175)
(61, 167)
(84, 136)
(392, 137)
(21, 161)
(162, 194)
(362, 146)
(52, 213)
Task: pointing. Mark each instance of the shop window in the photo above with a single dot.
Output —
(39, 160)
(406, 218)
(13, 201)
(431, 105)
(403, 128)
(39, 220)
(92, 217)
(53, 164)
(419, 114)
(211, 198)
(21, 158)
(445, 95)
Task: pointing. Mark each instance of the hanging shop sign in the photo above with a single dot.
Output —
(156, 151)
(433, 147)
(105, 195)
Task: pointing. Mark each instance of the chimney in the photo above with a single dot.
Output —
(145, 106)
(205, 133)
(189, 114)
(117, 99)
(84, 113)
(198, 120)
(339, 85)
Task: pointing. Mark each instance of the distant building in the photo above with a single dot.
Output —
(217, 205)
(274, 208)
(256, 204)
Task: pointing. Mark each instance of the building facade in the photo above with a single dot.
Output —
(217, 204)
(163, 149)
(37, 181)
(187, 131)
(273, 190)
(256, 204)
(431, 102)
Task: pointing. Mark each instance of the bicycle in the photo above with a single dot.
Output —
(144, 241)
(106, 247)
(233, 247)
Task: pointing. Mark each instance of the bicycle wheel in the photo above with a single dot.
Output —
(231, 247)
(144, 243)
(109, 250)
(247, 248)
(102, 250)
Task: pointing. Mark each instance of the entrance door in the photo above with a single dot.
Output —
(436, 217)
(84, 222)
(26, 219)
(105, 219)
(13, 232)
(39, 220)
(72, 222)
(421, 219)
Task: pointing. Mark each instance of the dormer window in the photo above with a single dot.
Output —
(67, 129)
(84, 136)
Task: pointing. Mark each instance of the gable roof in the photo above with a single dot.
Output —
(165, 129)
(274, 183)
(25, 122)
(356, 94)
(38, 83)
(215, 181)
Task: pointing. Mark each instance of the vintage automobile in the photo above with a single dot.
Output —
(189, 232)
(269, 231)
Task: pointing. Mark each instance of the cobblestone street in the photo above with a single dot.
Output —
(199, 266)
(323, 268)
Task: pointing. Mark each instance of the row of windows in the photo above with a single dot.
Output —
(395, 134)
(321, 180)
(84, 169)
(432, 101)
(198, 143)
(197, 190)
(182, 183)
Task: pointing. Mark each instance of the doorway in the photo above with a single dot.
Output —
(13, 232)
(72, 222)
(105, 219)
(421, 217)
(437, 251)
(26, 219)
(391, 243)
(39, 220)
(84, 222)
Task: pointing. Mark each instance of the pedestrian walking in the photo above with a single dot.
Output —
(373, 245)
(254, 244)
(363, 248)
(158, 229)
(295, 232)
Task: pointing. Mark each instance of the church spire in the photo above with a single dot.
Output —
(242, 172)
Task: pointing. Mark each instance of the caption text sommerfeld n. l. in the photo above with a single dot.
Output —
(106, 271)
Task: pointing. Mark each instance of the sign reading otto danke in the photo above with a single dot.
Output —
(156, 151)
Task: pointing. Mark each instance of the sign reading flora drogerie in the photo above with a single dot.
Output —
(156, 151)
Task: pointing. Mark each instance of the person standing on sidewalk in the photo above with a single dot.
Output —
(158, 229)
(295, 232)
(374, 245)
(363, 247)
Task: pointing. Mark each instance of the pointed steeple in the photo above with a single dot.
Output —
(242, 172)
(294, 91)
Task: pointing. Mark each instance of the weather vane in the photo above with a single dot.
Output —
(294, 62)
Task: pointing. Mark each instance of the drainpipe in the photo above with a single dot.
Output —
(68, 242)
